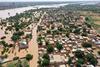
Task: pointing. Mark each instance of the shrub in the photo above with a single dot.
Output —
(29, 57)
(46, 56)
(69, 60)
(99, 52)
(77, 31)
(45, 62)
(25, 63)
(15, 38)
(84, 34)
(80, 61)
(3, 37)
(89, 56)
(94, 61)
(50, 49)
(11, 65)
(15, 58)
(59, 46)
(4, 43)
(79, 54)
(5, 56)
(78, 65)
(29, 36)
(87, 45)
(48, 31)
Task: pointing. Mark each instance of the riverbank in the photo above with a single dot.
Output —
(12, 12)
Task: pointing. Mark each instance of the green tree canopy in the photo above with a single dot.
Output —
(59, 46)
(15, 38)
(90, 57)
(50, 49)
(29, 57)
(94, 61)
(79, 54)
(3, 43)
(45, 62)
(80, 61)
(46, 56)
(69, 60)
(87, 45)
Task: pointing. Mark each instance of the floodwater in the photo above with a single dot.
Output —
(12, 12)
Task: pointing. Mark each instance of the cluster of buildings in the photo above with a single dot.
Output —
(18, 48)
(60, 26)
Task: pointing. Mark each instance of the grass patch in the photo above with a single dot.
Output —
(16, 63)
(91, 21)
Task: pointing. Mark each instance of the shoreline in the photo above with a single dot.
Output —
(4, 13)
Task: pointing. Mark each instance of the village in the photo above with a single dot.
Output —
(65, 39)
(17, 42)
(49, 38)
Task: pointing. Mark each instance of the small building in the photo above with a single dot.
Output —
(62, 65)
(90, 66)
(23, 44)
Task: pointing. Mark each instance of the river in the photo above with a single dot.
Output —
(12, 12)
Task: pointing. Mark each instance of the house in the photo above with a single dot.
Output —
(90, 66)
(23, 44)
(1, 59)
(57, 58)
(62, 65)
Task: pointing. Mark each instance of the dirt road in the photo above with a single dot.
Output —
(33, 46)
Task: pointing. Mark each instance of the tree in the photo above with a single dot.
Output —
(48, 31)
(46, 56)
(45, 62)
(20, 33)
(9, 28)
(84, 30)
(79, 54)
(39, 61)
(67, 34)
(11, 65)
(4, 43)
(60, 29)
(1, 65)
(15, 58)
(94, 61)
(78, 65)
(39, 39)
(15, 38)
(40, 42)
(87, 44)
(55, 32)
(69, 60)
(50, 49)
(25, 63)
(90, 57)
(84, 34)
(87, 18)
(29, 57)
(16, 35)
(80, 61)
(29, 36)
(99, 52)
(47, 43)
(19, 63)
(59, 46)
(3, 37)
(77, 31)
